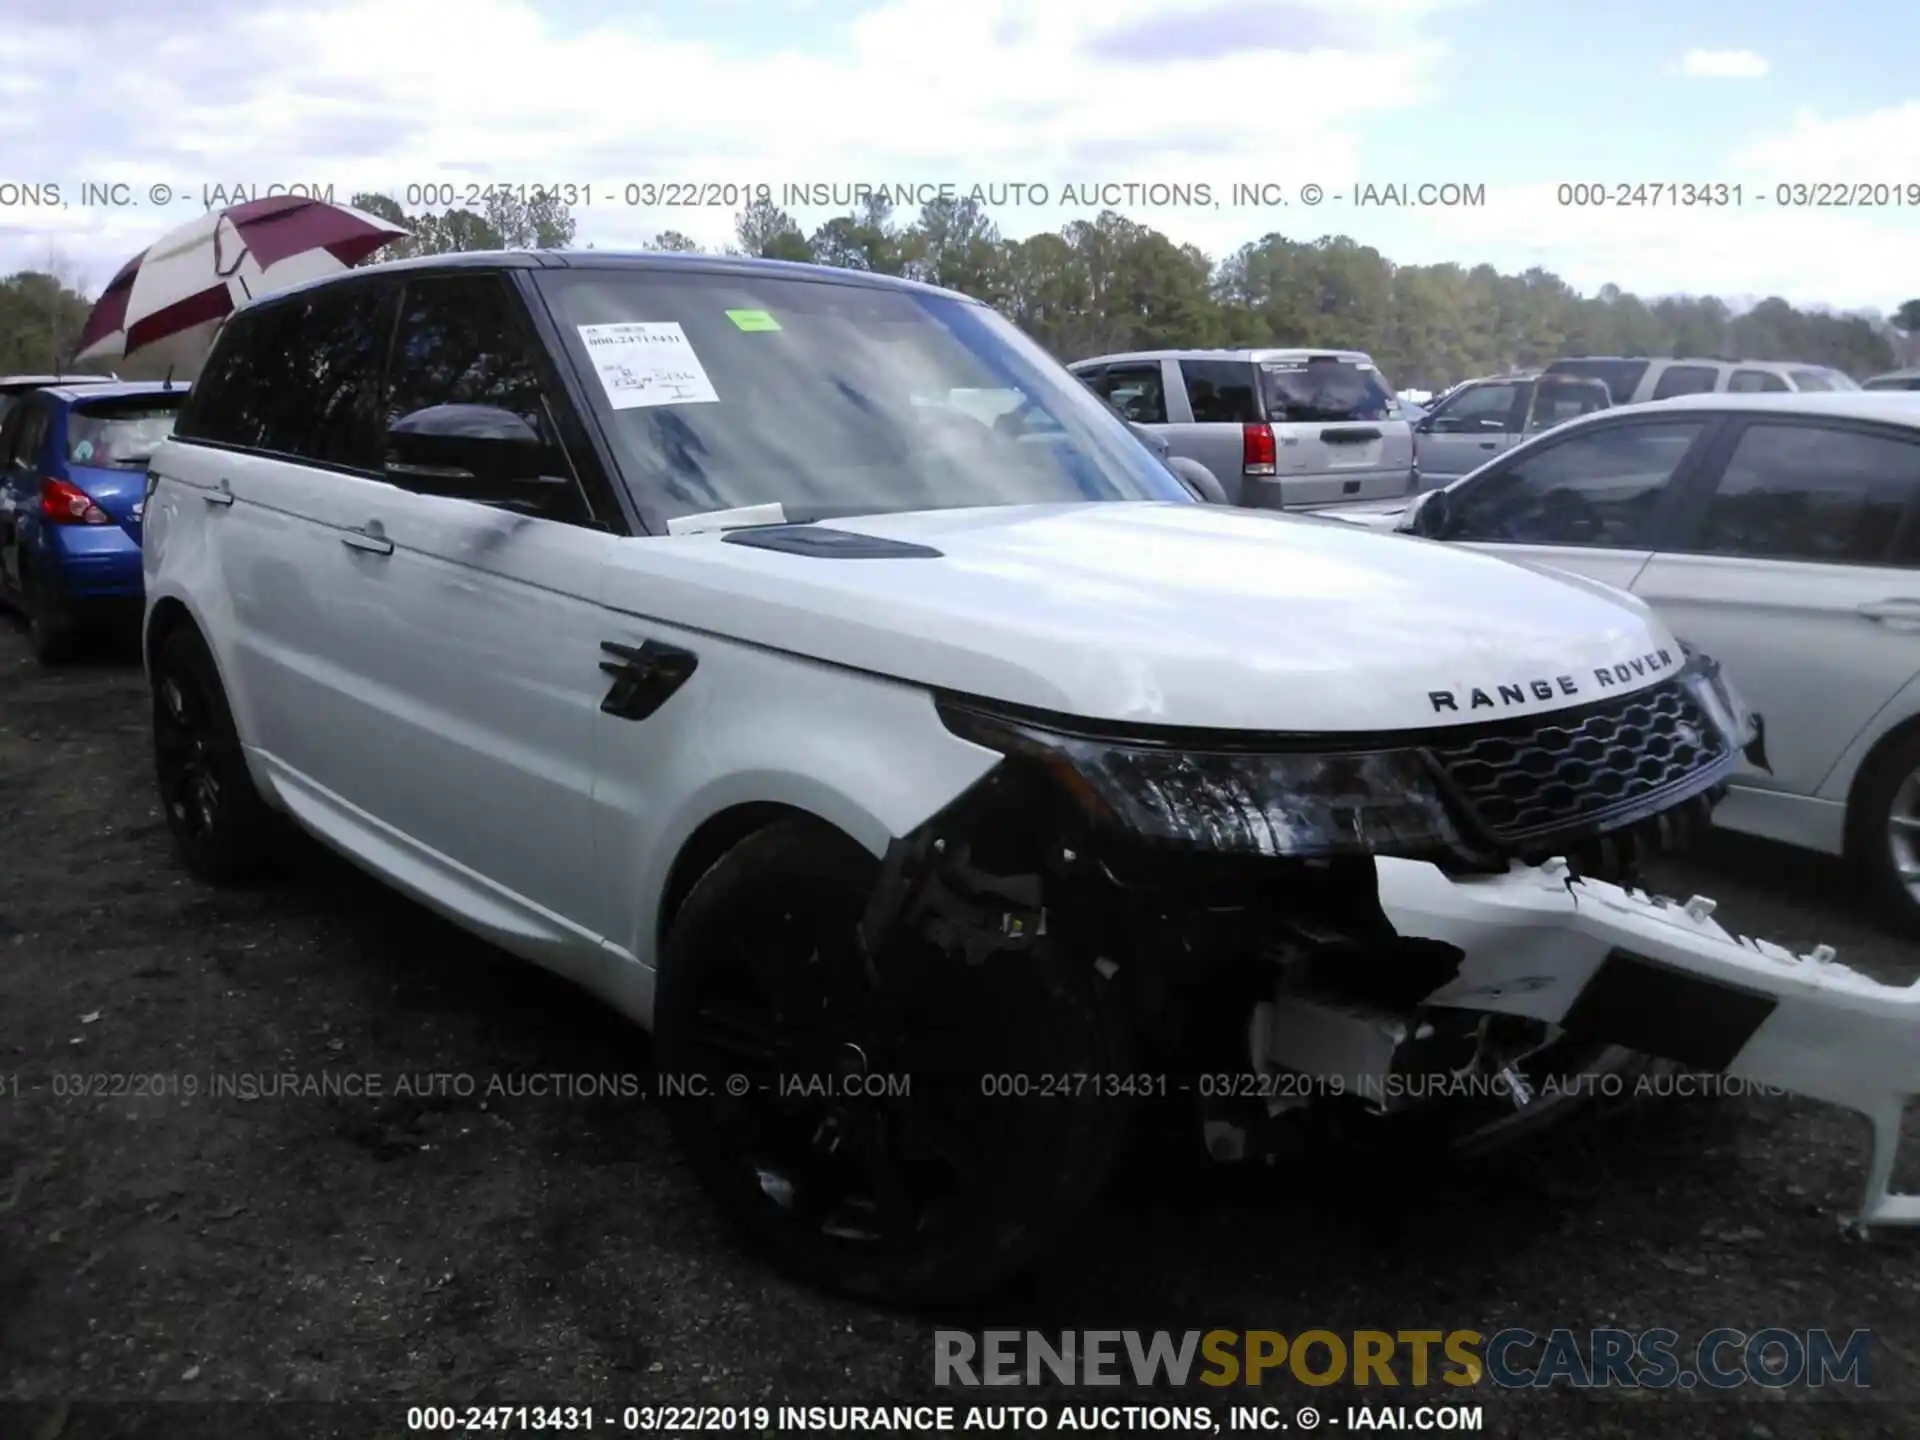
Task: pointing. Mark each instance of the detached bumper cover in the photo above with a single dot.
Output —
(1665, 978)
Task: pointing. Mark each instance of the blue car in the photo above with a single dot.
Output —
(73, 471)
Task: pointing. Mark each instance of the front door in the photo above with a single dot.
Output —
(1589, 501)
(479, 650)
(1784, 570)
(1469, 428)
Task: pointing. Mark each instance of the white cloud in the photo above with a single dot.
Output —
(1880, 146)
(378, 94)
(1723, 65)
(384, 93)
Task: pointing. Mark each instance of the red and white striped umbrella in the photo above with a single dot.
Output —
(168, 302)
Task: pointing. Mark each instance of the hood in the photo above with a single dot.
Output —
(1167, 614)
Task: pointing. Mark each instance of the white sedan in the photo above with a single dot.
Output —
(1779, 533)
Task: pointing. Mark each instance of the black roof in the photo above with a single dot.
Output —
(658, 260)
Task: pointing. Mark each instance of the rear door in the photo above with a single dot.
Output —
(478, 654)
(1592, 500)
(1338, 432)
(1783, 565)
(1221, 399)
(276, 447)
(1470, 427)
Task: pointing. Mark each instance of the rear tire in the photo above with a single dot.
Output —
(938, 1195)
(222, 828)
(53, 633)
(1885, 826)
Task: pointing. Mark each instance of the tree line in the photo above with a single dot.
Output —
(1111, 283)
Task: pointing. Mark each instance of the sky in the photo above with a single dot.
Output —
(1519, 114)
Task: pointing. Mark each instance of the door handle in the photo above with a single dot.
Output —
(220, 495)
(373, 544)
(1488, 444)
(1899, 607)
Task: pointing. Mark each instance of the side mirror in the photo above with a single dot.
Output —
(1429, 517)
(471, 452)
(1201, 482)
(1154, 442)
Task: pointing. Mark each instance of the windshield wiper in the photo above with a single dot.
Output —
(737, 518)
(742, 517)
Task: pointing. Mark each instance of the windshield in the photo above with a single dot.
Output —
(722, 391)
(1324, 389)
(123, 435)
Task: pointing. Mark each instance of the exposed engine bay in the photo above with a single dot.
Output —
(1434, 935)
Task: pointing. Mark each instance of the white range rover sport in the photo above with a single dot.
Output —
(934, 787)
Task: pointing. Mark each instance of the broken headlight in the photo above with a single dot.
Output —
(1231, 800)
(1722, 704)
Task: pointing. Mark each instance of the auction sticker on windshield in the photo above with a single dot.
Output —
(647, 363)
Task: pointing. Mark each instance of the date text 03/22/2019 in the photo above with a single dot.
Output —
(1725, 195)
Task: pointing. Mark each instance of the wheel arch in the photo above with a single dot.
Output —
(1865, 771)
(710, 842)
(166, 615)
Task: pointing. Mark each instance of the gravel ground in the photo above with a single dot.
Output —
(519, 1247)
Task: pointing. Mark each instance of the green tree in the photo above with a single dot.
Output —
(41, 316)
(956, 246)
(541, 221)
(765, 230)
(675, 241)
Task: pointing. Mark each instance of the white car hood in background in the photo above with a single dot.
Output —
(1186, 615)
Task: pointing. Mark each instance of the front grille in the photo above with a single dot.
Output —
(1584, 767)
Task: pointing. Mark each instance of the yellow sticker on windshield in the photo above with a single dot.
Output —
(753, 320)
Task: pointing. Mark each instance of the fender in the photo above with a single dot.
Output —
(752, 726)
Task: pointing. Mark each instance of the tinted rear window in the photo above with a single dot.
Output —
(1813, 380)
(1898, 382)
(1619, 376)
(122, 433)
(1221, 391)
(1324, 389)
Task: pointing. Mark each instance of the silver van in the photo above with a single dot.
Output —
(1634, 379)
(1280, 429)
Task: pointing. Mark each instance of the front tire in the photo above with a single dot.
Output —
(1886, 830)
(768, 1013)
(220, 825)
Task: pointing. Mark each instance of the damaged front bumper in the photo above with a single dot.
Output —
(1663, 978)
